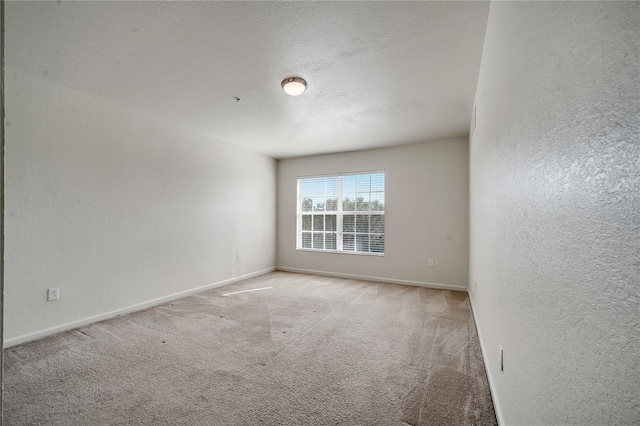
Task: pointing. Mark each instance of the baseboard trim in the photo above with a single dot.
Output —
(368, 278)
(494, 394)
(126, 310)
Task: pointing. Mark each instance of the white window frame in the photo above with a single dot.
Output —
(339, 215)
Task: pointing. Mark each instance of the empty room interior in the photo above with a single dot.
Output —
(321, 213)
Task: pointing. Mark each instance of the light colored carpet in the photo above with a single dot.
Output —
(307, 350)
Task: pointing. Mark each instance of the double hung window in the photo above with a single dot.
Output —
(343, 213)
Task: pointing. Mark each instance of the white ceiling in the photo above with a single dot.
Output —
(378, 73)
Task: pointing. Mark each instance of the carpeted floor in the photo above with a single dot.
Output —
(298, 350)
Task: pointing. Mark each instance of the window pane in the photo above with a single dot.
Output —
(330, 222)
(348, 242)
(306, 240)
(363, 183)
(362, 223)
(348, 223)
(307, 204)
(376, 224)
(318, 187)
(330, 241)
(318, 240)
(362, 203)
(349, 202)
(318, 222)
(332, 204)
(306, 222)
(362, 242)
(377, 243)
(305, 188)
(331, 187)
(349, 184)
(377, 182)
(377, 201)
(319, 204)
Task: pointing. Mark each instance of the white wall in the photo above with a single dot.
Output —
(426, 214)
(118, 209)
(554, 211)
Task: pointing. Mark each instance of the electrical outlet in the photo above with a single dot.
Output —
(53, 293)
(237, 258)
(430, 263)
(501, 358)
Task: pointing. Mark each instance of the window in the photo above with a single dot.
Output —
(343, 213)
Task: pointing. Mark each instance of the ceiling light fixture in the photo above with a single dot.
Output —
(294, 86)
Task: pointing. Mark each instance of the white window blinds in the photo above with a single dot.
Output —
(343, 213)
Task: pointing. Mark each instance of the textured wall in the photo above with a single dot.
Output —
(118, 209)
(427, 213)
(554, 211)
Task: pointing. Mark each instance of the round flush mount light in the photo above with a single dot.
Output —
(294, 86)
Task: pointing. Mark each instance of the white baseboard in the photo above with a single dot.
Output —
(128, 309)
(379, 279)
(494, 395)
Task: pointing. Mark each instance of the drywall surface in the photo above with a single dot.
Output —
(554, 211)
(426, 214)
(117, 209)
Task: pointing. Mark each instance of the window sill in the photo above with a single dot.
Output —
(360, 253)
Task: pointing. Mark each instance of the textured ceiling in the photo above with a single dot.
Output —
(378, 73)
